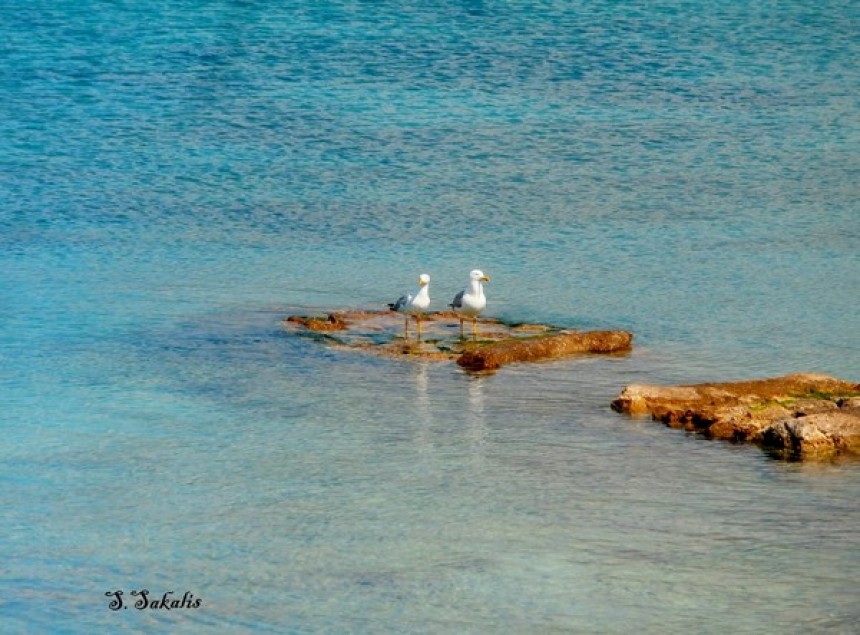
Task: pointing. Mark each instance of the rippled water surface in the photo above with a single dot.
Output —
(175, 178)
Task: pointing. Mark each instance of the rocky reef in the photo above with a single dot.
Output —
(498, 343)
(497, 354)
(796, 416)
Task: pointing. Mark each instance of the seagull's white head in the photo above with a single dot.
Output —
(478, 276)
(423, 279)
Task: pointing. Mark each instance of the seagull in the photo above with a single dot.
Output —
(414, 304)
(471, 300)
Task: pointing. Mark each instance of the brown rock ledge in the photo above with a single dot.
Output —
(532, 349)
(382, 333)
(795, 416)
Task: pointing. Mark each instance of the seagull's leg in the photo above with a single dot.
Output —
(474, 328)
(406, 329)
(418, 319)
(461, 328)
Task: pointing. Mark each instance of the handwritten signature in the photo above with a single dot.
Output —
(167, 601)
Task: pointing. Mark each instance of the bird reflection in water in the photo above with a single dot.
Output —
(422, 406)
(477, 431)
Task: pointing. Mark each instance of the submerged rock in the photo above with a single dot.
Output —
(332, 322)
(802, 415)
(384, 333)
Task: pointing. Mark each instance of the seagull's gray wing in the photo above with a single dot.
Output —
(458, 300)
(401, 303)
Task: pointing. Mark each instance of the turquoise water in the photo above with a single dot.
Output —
(175, 178)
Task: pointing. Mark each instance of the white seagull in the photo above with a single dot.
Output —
(471, 301)
(414, 304)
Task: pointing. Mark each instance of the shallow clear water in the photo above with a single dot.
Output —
(177, 177)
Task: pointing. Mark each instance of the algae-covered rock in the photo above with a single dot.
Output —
(332, 322)
(803, 415)
(384, 333)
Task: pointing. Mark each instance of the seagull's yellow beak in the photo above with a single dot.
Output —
(485, 279)
(421, 282)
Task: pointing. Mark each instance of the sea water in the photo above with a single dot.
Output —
(176, 177)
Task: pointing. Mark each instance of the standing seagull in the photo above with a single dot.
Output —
(471, 301)
(414, 304)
